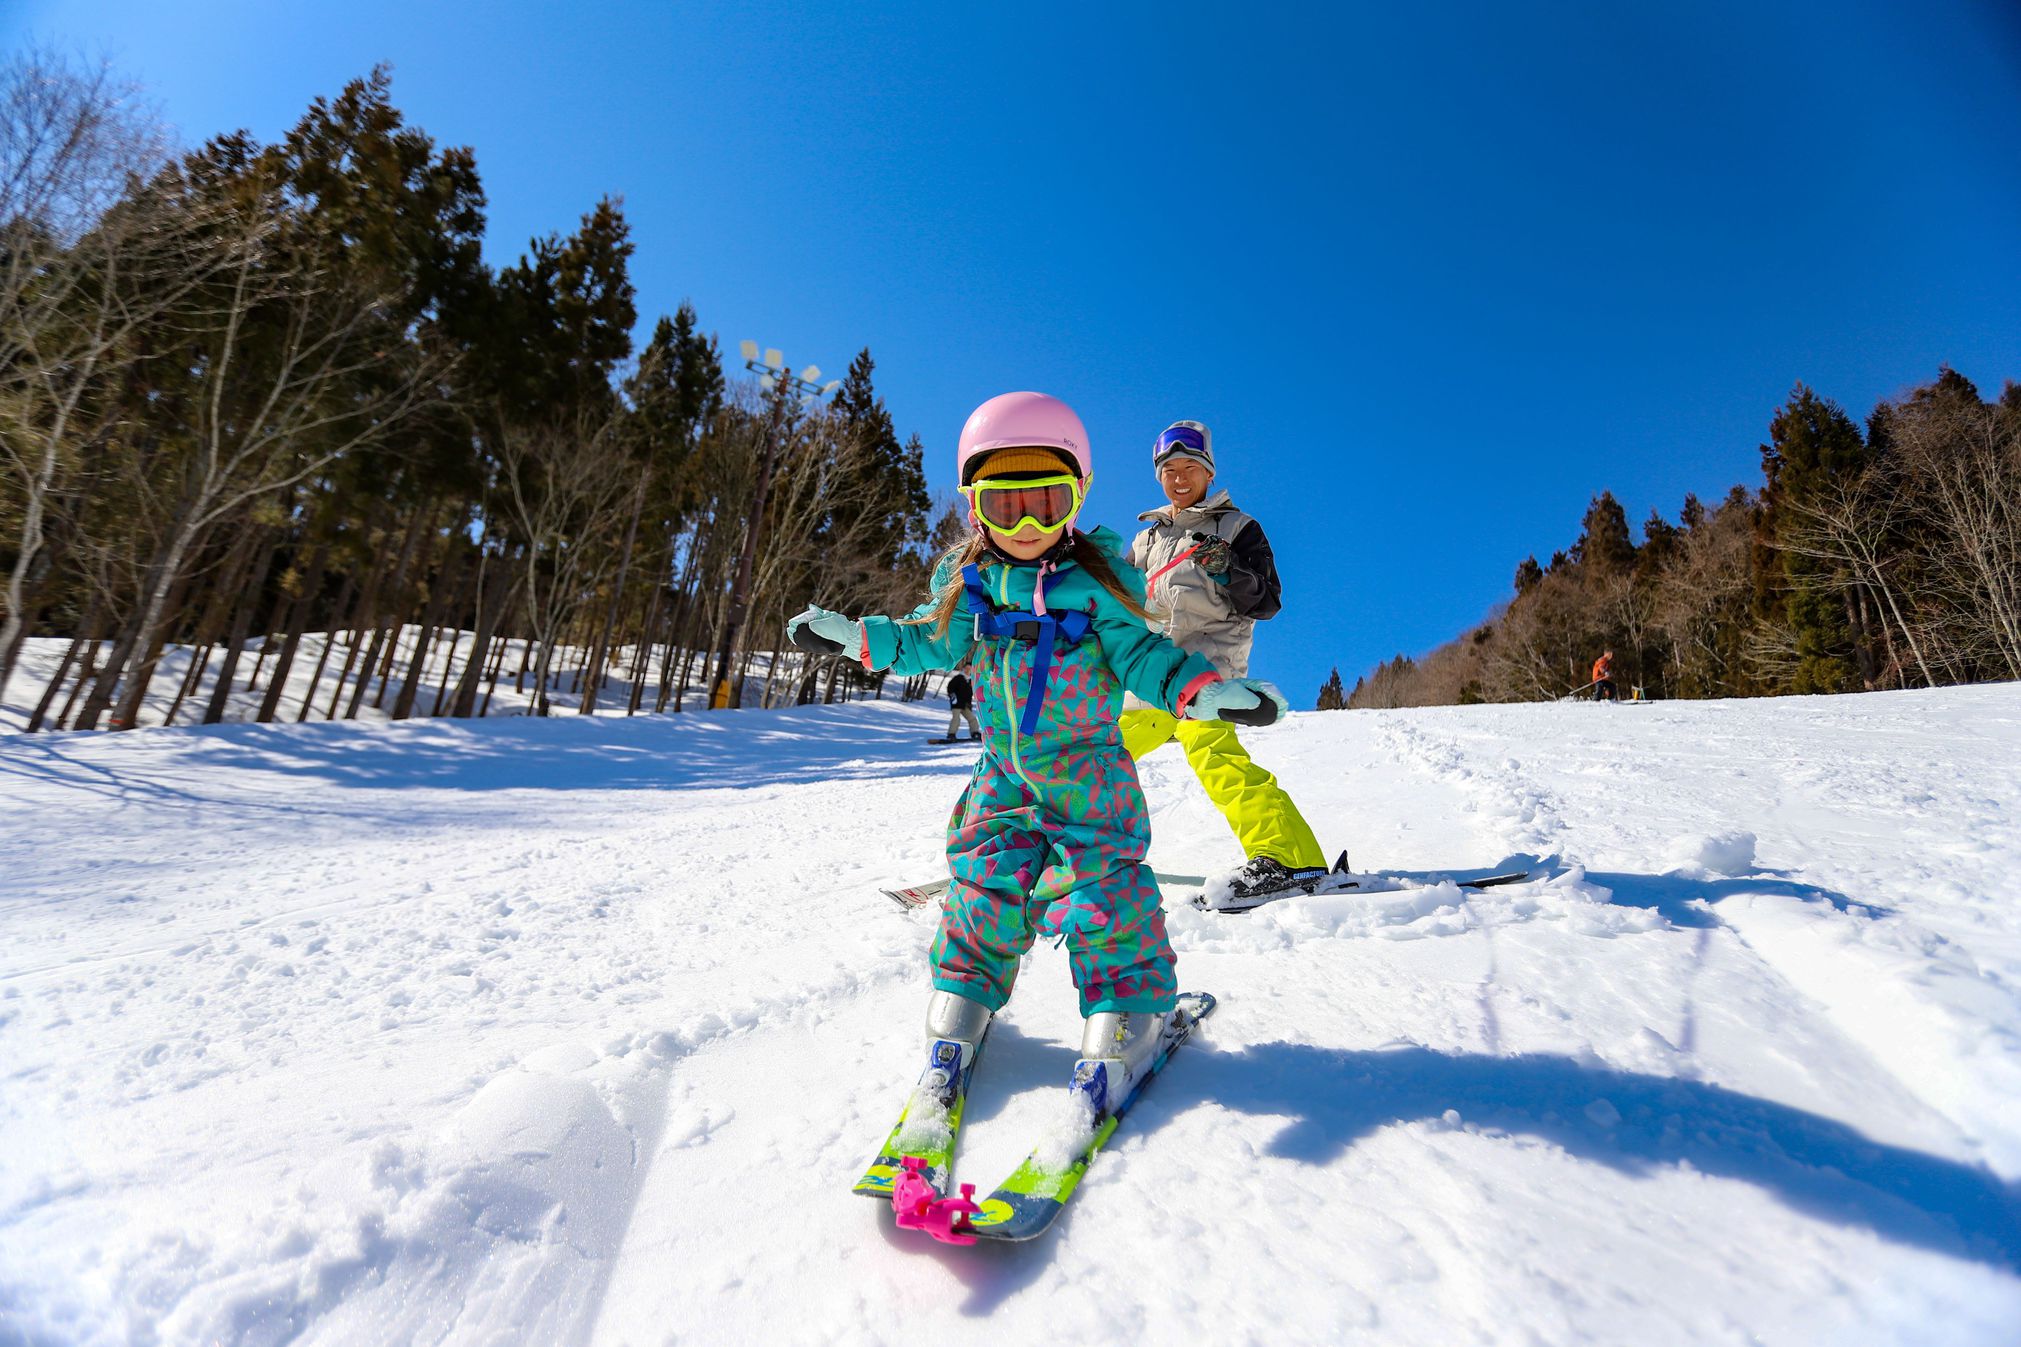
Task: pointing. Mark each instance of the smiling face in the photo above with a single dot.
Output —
(1185, 481)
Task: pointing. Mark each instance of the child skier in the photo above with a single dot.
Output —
(1050, 834)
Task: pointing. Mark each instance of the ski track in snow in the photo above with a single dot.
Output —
(579, 1031)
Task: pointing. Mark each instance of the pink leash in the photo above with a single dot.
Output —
(1154, 576)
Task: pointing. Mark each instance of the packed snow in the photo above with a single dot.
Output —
(579, 1030)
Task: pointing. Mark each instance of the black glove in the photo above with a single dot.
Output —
(1212, 555)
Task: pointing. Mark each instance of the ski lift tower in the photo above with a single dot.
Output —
(780, 384)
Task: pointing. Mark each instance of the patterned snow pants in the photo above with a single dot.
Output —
(1065, 860)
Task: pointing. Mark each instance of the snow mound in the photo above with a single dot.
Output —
(1714, 855)
(531, 1147)
(512, 1213)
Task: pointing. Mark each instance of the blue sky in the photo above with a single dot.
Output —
(1434, 274)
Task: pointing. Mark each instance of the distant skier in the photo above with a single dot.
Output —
(1051, 831)
(1210, 571)
(960, 698)
(1603, 677)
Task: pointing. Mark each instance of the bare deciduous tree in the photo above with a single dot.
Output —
(89, 255)
(1959, 466)
(566, 488)
(1849, 523)
(295, 374)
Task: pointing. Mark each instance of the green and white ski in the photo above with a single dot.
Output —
(1025, 1205)
(927, 1129)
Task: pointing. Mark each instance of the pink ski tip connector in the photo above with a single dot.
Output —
(918, 1206)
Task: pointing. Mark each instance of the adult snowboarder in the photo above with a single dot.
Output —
(960, 700)
(1209, 569)
(1603, 677)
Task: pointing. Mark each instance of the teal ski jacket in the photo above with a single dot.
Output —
(1081, 685)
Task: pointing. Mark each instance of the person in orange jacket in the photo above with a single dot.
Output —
(1603, 677)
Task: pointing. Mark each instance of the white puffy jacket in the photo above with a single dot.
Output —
(1204, 615)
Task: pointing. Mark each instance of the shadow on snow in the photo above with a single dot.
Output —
(699, 751)
(1681, 899)
(1814, 1165)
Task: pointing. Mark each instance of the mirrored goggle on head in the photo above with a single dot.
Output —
(1008, 504)
(1179, 439)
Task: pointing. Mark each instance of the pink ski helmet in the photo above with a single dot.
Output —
(1021, 421)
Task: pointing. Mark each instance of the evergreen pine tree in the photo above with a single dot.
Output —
(889, 495)
(1812, 444)
(1332, 693)
(1604, 547)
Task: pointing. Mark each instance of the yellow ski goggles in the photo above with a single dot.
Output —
(1007, 504)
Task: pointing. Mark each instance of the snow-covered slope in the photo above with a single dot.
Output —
(579, 1030)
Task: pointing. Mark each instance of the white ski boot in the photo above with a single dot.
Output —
(1117, 1047)
(955, 1029)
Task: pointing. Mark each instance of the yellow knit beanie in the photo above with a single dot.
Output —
(1028, 460)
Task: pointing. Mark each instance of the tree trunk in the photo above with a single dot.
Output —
(340, 613)
(242, 621)
(210, 626)
(86, 639)
(504, 648)
(84, 676)
(37, 579)
(596, 664)
(363, 617)
(167, 618)
(466, 596)
(447, 581)
(395, 617)
(491, 605)
(137, 632)
(277, 619)
(643, 664)
(192, 678)
(399, 625)
(298, 622)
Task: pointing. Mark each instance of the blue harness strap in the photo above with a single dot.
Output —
(1043, 631)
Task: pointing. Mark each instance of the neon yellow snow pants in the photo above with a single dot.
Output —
(1265, 820)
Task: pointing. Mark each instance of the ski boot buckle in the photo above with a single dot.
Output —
(918, 1206)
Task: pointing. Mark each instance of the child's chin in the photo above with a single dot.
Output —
(1024, 549)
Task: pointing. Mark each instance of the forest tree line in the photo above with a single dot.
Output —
(253, 391)
(1883, 558)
